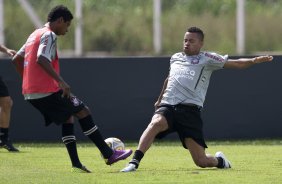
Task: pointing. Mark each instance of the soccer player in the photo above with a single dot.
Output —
(178, 108)
(5, 109)
(43, 87)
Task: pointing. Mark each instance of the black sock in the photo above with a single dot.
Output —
(69, 140)
(220, 162)
(91, 130)
(4, 132)
(137, 157)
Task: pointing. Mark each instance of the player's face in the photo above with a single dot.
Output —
(63, 26)
(192, 43)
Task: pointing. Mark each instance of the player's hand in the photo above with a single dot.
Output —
(66, 89)
(261, 59)
(11, 52)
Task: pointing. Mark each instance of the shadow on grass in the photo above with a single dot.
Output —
(186, 170)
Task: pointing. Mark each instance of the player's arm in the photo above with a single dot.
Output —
(18, 62)
(46, 65)
(5, 50)
(44, 59)
(243, 63)
(161, 94)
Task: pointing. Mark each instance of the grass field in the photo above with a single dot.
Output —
(254, 162)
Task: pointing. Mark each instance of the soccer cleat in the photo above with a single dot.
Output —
(129, 168)
(118, 155)
(8, 146)
(226, 162)
(83, 169)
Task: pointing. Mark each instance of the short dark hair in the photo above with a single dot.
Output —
(60, 11)
(198, 31)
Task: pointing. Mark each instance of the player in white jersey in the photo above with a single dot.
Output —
(178, 108)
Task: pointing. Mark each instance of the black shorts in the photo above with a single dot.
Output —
(185, 120)
(57, 109)
(3, 89)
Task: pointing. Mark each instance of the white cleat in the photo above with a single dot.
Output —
(226, 162)
(129, 168)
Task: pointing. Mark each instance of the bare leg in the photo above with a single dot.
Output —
(5, 111)
(157, 125)
(199, 156)
(5, 115)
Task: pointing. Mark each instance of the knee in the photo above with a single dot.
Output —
(158, 125)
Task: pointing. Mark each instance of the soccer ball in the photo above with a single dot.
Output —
(115, 143)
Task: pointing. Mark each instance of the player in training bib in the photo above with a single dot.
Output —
(43, 87)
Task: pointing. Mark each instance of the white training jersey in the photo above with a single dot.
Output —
(189, 77)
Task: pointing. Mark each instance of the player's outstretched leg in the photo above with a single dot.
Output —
(158, 124)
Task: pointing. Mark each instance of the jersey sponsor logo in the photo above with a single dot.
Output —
(184, 72)
(214, 57)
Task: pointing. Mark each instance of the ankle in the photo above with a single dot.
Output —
(135, 162)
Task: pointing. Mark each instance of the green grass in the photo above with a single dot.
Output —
(166, 162)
